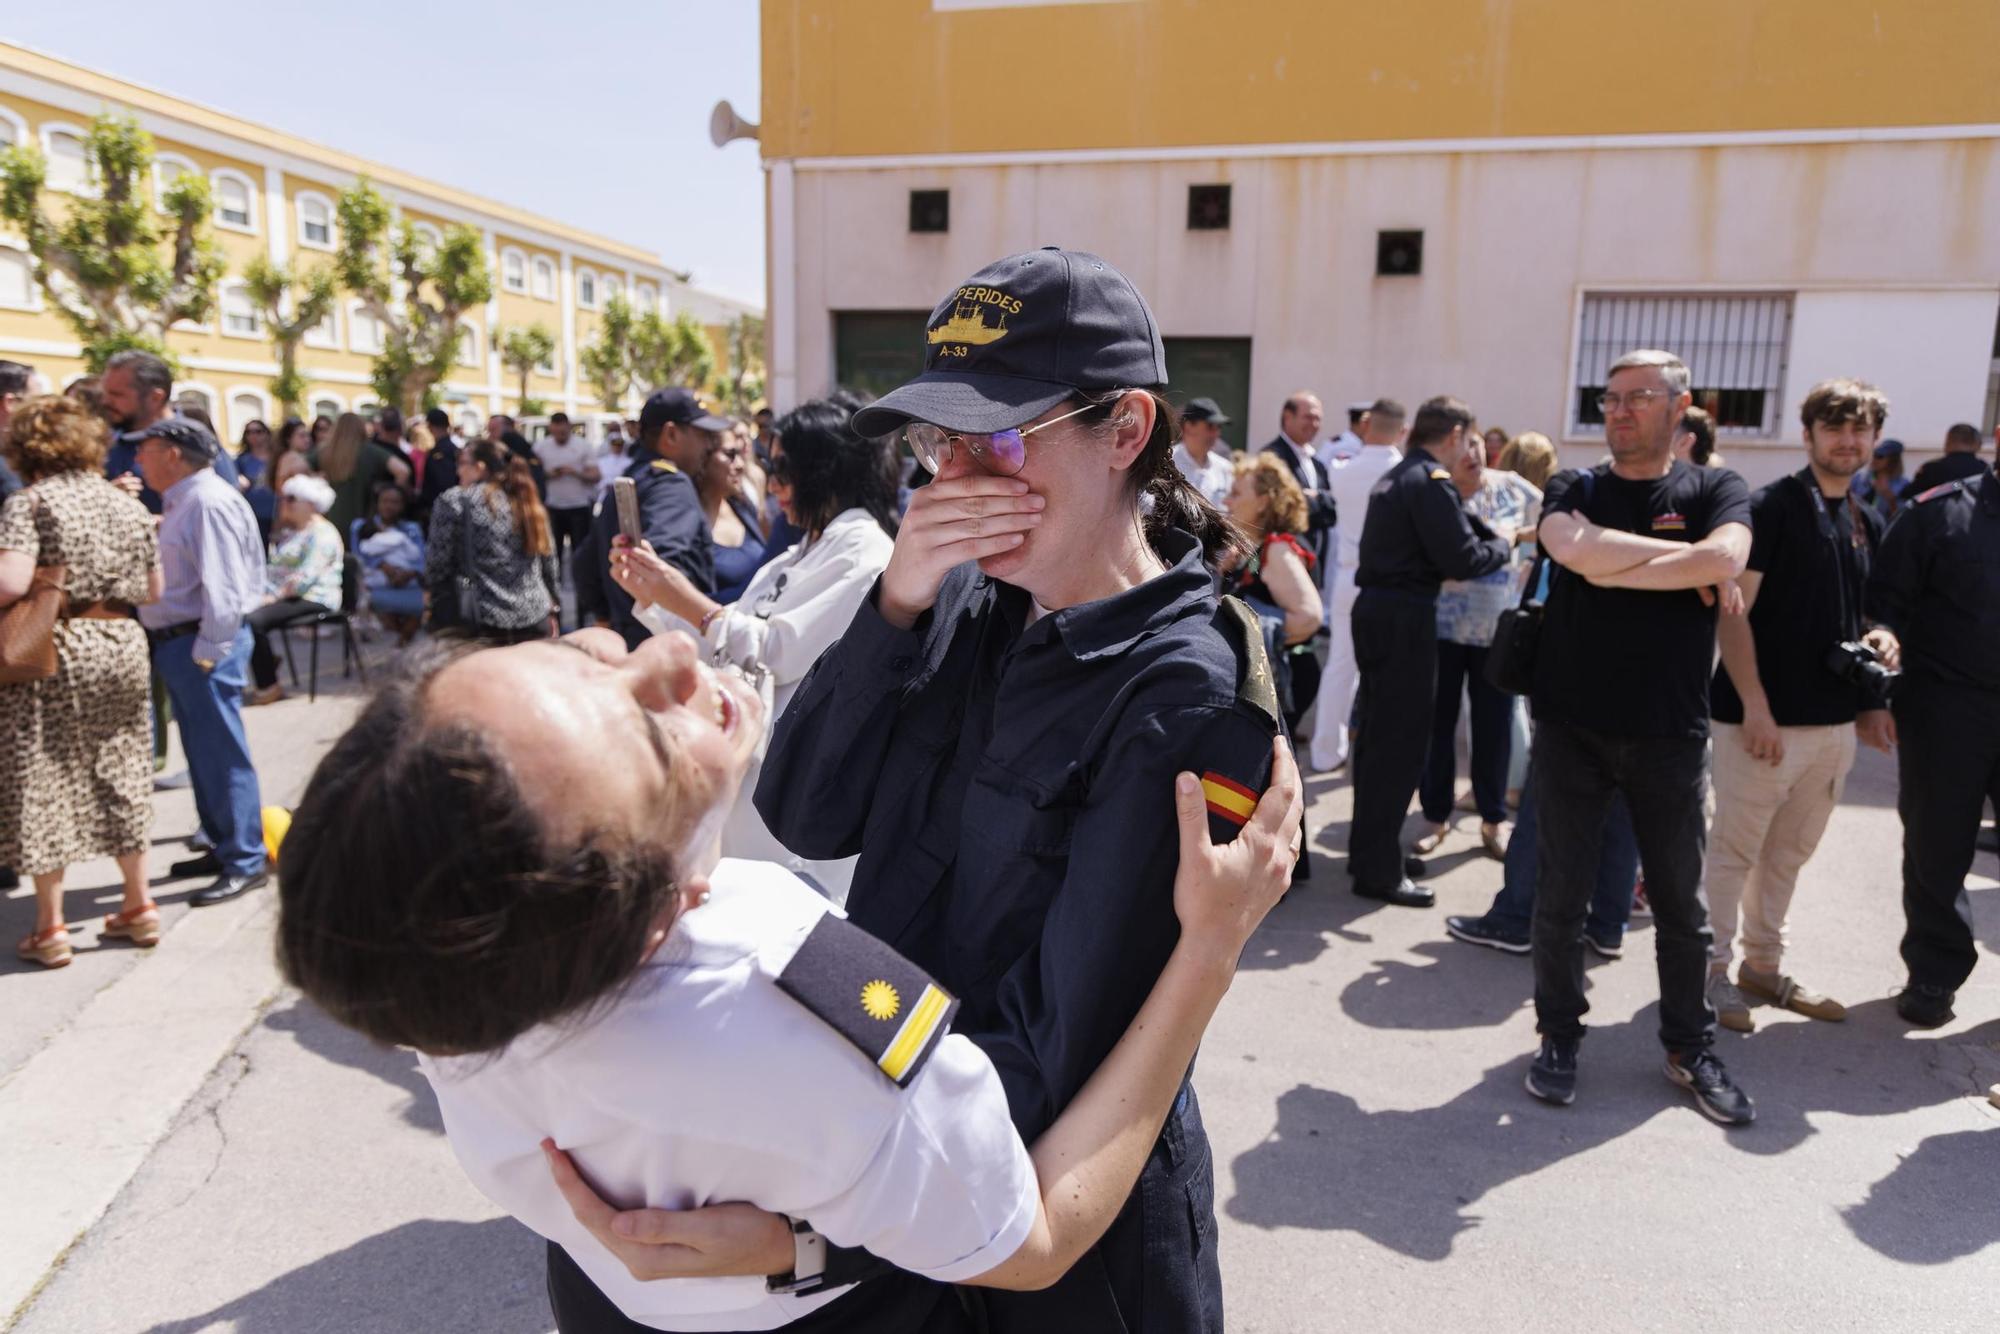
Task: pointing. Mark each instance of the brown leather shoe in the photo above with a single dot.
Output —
(1785, 993)
(268, 695)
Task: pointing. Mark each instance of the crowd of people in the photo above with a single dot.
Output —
(952, 782)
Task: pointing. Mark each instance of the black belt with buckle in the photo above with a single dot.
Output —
(167, 634)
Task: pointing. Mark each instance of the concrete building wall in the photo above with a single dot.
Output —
(1889, 252)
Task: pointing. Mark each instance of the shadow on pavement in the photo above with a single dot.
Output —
(1410, 1181)
(1901, 1218)
(1296, 931)
(311, 1029)
(432, 1275)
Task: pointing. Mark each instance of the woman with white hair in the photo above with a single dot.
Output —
(302, 578)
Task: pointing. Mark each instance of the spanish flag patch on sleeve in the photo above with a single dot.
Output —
(1228, 799)
(870, 995)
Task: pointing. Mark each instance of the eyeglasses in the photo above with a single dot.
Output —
(1002, 452)
(1636, 400)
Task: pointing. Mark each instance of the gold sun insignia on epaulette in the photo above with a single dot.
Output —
(879, 1000)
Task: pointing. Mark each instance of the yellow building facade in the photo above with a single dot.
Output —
(1458, 196)
(275, 196)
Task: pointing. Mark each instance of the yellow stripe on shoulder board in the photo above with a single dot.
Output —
(1230, 800)
(915, 1034)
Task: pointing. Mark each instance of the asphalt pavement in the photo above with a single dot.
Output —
(189, 1146)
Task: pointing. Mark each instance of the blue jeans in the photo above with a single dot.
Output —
(208, 706)
(1513, 907)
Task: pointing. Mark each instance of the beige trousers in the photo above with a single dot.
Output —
(1768, 819)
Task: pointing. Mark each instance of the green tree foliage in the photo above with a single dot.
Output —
(606, 361)
(415, 288)
(521, 350)
(291, 303)
(672, 353)
(101, 258)
(744, 384)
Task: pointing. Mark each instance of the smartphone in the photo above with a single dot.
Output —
(626, 496)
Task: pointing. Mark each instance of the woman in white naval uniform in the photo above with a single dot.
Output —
(576, 969)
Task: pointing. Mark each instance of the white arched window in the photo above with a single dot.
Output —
(326, 333)
(513, 270)
(69, 166)
(648, 298)
(17, 281)
(429, 238)
(612, 287)
(586, 288)
(468, 345)
(328, 405)
(366, 405)
(364, 331)
(168, 168)
(246, 406)
(543, 282)
(240, 318)
(13, 130)
(547, 365)
(315, 220)
(235, 201)
(200, 395)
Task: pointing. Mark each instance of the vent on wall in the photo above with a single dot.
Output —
(1399, 254)
(930, 210)
(1208, 208)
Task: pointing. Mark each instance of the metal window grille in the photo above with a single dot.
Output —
(1735, 346)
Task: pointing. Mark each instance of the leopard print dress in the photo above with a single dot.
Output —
(76, 750)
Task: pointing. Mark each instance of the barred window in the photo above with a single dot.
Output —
(1735, 346)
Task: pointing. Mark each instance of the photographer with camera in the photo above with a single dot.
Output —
(1936, 583)
(1800, 681)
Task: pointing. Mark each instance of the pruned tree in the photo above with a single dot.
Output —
(291, 303)
(744, 384)
(415, 289)
(672, 353)
(521, 351)
(606, 361)
(100, 259)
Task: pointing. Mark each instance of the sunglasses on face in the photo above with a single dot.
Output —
(1003, 452)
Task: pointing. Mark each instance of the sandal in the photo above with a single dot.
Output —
(1428, 844)
(1785, 993)
(1489, 838)
(142, 928)
(48, 948)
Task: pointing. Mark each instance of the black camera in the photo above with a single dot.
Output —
(1859, 665)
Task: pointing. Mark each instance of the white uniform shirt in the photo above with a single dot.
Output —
(1350, 483)
(567, 493)
(1213, 478)
(790, 614)
(705, 1083)
(610, 467)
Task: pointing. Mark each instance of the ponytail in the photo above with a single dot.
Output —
(531, 520)
(1167, 499)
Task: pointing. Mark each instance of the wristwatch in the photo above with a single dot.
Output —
(808, 1261)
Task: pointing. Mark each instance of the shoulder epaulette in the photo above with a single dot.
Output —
(1440, 474)
(1945, 490)
(663, 465)
(870, 995)
(1258, 688)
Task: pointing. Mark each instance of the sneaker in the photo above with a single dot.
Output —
(1552, 1074)
(1641, 905)
(1608, 944)
(1925, 1006)
(1731, 1010)
(1481, 931)
(1719, 1098)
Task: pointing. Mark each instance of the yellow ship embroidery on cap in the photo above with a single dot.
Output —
(968, 325)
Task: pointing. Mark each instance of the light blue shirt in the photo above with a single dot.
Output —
(211, 563)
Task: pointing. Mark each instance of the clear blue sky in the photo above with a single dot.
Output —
(593, 112)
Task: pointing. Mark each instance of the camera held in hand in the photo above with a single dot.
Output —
(1858, 664)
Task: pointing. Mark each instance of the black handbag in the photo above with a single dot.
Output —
(1510, 661)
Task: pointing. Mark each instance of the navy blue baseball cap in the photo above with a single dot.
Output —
(1204, 410)
(682, 407)
(180, 432)
(1020, 336)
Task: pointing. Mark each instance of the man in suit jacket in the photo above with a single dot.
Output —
(1296, 445)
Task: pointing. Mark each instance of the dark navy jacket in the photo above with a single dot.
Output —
(1010, 793)
(1936, 583)
(670, 515)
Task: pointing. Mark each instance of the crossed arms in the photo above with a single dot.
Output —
(1610, 558)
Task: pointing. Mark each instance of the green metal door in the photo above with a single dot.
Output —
(876, 350)
(1217, 368)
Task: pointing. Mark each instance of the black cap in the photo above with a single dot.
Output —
(682, 407)
(1889, 449)
(1020, 336)
(181, 432)
(1203, 410)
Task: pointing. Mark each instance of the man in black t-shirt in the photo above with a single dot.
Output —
(1621, 705)
(1785, 723)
